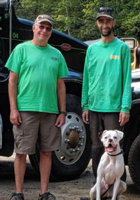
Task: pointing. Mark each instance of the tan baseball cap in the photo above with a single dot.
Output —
(44, 18)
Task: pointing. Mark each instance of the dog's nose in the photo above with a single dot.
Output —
(110, 140)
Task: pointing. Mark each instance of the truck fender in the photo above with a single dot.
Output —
(1, 129)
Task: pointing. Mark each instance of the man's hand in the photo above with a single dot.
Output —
(85, 117)
(60, 121)
(123, 118)
(15, 118)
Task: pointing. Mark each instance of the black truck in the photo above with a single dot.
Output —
(70, 161)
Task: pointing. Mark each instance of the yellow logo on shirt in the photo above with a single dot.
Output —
(114, 57)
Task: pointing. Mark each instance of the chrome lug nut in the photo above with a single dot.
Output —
(82, 137)
(67, 140)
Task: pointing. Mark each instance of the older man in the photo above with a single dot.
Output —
(37, 102)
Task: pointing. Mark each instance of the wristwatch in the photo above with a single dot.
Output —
(63, 112)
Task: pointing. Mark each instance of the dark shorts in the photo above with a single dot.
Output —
(99, 122)
(36, 126)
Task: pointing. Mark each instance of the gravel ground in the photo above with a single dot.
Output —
(70, 190)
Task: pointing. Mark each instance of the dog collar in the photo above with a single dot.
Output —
(116, 154)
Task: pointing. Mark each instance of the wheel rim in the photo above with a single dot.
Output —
(73, 140)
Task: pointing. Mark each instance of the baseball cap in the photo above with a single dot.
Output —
(44, 18)
(105, 12)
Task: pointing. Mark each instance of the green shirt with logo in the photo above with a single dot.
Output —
(38, 70)
(107, 77)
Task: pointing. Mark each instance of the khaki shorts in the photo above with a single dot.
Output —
(36, 126)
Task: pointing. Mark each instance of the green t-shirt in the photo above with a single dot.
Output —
(107, 77)
(38, 69)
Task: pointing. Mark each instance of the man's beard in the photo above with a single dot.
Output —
(107, 33)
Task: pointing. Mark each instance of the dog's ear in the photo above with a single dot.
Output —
(101, 133)
(120, 134)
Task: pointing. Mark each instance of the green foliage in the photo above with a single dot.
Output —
(77, 17)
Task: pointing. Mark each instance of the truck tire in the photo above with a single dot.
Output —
(134, 161)
(70, 161)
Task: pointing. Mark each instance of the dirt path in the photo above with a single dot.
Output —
(70, 190)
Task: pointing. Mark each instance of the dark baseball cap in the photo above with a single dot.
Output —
(44, 18)
(105, 12)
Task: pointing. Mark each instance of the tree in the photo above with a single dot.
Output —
(77, 18)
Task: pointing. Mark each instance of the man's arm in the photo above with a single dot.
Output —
(85, 116)
(12, 88)
(127, 93)
(123, 118)
(61, 92)
(85, 88)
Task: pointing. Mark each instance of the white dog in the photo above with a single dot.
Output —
(110, 169)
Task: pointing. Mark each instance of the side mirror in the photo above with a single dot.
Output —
(137, 49)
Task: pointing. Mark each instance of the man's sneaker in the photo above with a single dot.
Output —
(84, 198)
(17, 196)
(47, 196)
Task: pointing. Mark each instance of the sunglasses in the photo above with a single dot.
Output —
(48, 29)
